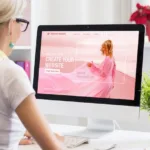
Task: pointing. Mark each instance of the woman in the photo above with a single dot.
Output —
(82, 81)
(106, 70)
(17, 100)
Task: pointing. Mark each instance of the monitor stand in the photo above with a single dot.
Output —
(95, 129)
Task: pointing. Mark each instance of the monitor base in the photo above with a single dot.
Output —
(95, 129)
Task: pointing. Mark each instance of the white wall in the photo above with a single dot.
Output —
(67, 11)
(86, 11)
(83, 12)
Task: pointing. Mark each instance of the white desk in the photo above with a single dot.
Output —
(125, 140)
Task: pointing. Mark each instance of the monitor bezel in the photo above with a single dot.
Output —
(116, 27)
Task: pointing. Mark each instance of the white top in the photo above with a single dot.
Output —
(14, 88)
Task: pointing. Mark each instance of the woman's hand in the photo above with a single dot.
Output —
(27, 140)
(27, 134)
(60, 138)
(89, 64)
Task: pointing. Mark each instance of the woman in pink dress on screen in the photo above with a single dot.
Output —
(89, 80)
(106, 70)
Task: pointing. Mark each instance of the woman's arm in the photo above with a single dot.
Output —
(37, 125)
(103, 69)
(94, 68)
(114, 73)
(20, 98)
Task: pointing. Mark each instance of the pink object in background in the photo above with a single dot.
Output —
(25, 65)
(142, 16)
(25, 39)
(27, 68)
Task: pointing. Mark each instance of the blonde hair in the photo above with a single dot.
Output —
(109, 45)
(11, 9)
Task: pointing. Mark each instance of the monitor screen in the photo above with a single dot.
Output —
(98, 64)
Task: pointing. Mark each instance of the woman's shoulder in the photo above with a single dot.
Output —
(11, 69)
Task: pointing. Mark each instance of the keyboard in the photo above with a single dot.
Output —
(72, 142)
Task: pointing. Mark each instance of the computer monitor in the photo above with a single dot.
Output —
(91, 71)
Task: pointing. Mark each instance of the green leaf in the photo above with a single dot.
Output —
(145, 93)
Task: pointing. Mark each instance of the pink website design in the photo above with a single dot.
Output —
(89, 64)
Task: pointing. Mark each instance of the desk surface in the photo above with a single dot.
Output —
(125, 140)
